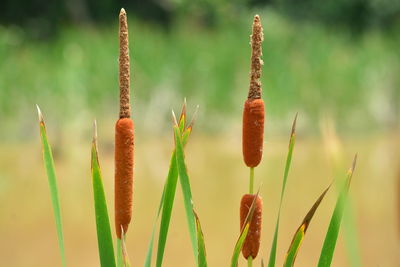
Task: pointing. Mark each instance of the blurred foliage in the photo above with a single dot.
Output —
(308, 68)
(43, 18)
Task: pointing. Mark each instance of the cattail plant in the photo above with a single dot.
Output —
(252, 242)
(124, 135)
(252, 142)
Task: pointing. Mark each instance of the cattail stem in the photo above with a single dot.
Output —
(250, 261)
(251, 183)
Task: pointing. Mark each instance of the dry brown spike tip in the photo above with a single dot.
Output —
(253, 113)
(124, 138)
(251, 244)
(124, 67)
(256, 62)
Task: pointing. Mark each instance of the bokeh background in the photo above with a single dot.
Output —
(337, 63)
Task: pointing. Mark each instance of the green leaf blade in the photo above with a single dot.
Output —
(292, 141)
(167, 205)
(149, 254)
(243, 233)
(332, 234)
(187, 194)
(52, 180)
(301, 231)
(201, 243)
(104, 238)
(239, 245)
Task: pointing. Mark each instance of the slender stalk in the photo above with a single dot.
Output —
(119, 253)
(251, 183)
(250, 261)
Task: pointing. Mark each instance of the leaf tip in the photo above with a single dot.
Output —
(353, 166)
(194, 117)
(294, 125)
(40, 115)
(95, 132)
(174, 118)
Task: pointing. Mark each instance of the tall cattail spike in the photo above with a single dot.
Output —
(124, 67)
(256, 62)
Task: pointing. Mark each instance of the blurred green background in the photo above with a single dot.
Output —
(337, 63)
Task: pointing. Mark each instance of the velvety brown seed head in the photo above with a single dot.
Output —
(124, 67)
(252, 243)
(253, 131)
(123, 187)
(256, 62)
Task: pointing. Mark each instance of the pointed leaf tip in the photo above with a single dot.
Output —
(95, 132)
(40, 115)
(353, 166)
(194, 117)
(174, 118)
(294, 124)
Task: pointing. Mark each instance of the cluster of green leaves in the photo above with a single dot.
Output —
(178, 169)
(104, 237)
(331, 235)
(182, 132)
(334, 226)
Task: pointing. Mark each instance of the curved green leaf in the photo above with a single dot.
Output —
(243, 233)
(292, 141)
(104, 238)
(52, 180)
(328, 248)
(301, 231)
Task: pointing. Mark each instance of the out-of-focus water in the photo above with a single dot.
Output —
(219, 179)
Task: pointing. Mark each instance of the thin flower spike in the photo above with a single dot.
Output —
(124, 137)
(253, 112)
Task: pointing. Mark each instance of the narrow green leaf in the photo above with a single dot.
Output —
(187, 193)
(292, 141)
(351, 235)
(169, 196)
(104, 238)
(52, 180)
(149, 254)
(243, 233)
(328, 248)
(239, 245)
(182, 118)
(201, 243)
(301, 231)
(168, 201)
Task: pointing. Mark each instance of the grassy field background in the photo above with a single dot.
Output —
(329, 76)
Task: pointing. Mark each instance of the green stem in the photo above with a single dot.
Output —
(251, 184)
(119, 253)
(250, 260)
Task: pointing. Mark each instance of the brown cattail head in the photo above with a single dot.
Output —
(252, 243)
(253, 131)
(253, 113)
(124, 136)
(124, 67)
